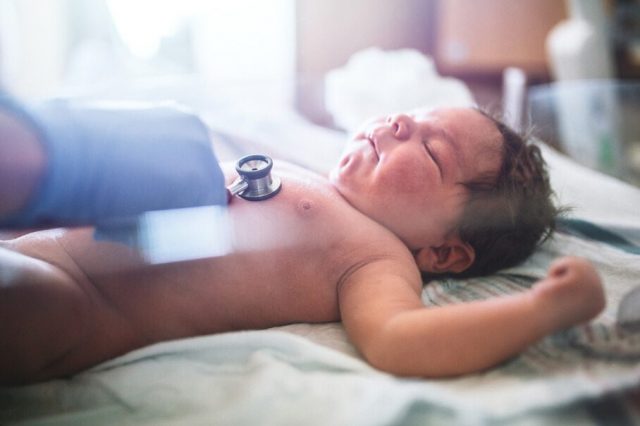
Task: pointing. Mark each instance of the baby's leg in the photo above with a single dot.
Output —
(571, 293)
(43, 315)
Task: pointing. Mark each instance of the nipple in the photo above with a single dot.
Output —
(305, 207)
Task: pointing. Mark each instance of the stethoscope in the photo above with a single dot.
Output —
(255, 182)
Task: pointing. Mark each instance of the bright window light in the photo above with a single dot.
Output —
(143, 24)
(228, 39)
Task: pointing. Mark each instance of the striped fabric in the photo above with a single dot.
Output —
(590, 349)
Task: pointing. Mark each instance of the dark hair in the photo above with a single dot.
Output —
(508, 216)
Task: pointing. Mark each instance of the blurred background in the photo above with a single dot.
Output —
(540, 60)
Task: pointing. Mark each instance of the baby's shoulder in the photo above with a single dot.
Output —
(355, 240)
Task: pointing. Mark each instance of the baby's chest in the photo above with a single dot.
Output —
(303, 216)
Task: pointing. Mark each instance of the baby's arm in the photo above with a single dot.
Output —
(384, 316)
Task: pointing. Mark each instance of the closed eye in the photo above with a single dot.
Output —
(433, 157)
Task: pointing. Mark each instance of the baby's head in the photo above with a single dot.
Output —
(465, 193)
(507, 219)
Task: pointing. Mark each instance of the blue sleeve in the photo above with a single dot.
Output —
(108, 162)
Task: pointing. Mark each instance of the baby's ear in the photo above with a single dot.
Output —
(454, 256)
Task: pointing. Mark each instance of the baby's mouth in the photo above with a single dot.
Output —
(373, 145)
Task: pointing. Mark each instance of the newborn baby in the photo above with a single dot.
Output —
(413, 196)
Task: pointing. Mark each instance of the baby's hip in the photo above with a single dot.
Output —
(44, 246)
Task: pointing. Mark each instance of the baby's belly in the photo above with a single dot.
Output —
(279, 287)
(210, 296)
(243, 290)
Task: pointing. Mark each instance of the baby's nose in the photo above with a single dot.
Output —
(401, 126)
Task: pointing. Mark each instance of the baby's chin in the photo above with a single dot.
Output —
(336, 180)
(339, 172)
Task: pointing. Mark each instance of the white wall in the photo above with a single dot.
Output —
(33, 45)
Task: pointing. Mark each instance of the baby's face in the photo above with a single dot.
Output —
(405, 171)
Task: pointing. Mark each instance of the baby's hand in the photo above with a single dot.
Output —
(571, 293)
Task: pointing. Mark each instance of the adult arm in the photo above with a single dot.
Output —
(22, 163)
(106, 161)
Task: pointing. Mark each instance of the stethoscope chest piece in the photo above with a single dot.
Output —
(255, 182)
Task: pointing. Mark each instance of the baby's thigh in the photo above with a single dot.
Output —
(43, 313)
